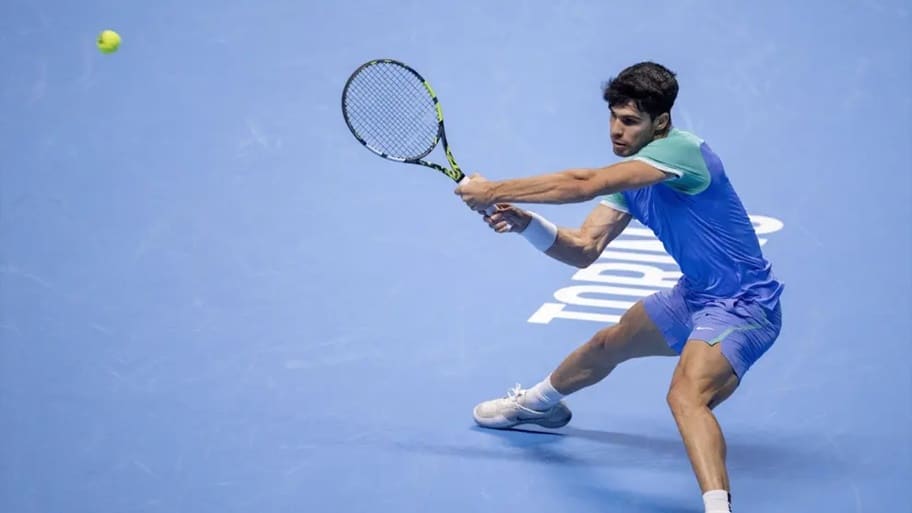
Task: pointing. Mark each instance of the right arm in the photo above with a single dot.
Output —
(579, 247)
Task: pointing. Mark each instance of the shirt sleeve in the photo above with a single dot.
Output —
(680, 155)
(616, 201)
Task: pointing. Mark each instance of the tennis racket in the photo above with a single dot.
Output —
(393, 111)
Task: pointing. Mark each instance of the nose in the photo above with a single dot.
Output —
(617, 129)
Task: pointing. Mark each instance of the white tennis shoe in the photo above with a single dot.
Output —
(507, 412)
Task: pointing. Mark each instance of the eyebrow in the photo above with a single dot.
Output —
(634, 116)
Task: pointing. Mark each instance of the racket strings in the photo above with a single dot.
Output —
(391, 110)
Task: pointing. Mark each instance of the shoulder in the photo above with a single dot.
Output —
(676, 140)
(676, 153)
(680, 153)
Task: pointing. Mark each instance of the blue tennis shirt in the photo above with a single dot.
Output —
(701, 222)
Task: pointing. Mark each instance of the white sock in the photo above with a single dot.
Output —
(542, 396)
(717, 501)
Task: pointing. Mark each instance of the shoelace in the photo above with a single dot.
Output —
(515, 393)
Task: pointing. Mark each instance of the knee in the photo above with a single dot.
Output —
(614, 338)
(604, 347)
(684, 395)
(611, 342)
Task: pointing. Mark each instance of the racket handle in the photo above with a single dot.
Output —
(488, 211)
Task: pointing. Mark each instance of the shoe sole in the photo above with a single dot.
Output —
(501, 422)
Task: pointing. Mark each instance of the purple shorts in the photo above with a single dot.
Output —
(745, 329)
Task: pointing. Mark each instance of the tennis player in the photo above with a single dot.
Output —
(722, 315)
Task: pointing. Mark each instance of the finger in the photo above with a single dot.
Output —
(510, 217)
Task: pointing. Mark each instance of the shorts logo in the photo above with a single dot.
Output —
(632, 267)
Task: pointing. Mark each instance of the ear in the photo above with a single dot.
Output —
(661, 122)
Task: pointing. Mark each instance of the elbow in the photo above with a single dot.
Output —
(581, 186)
(586, 191)
(588, 256)
(582, 264)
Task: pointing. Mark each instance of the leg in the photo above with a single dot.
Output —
(728, 338)
(703, 379)
(634, 336)
(734, 336)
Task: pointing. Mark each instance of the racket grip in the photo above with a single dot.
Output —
(488, 211)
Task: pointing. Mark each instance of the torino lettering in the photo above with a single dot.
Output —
(631, 268)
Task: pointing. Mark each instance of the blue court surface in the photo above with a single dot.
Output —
(212, 299)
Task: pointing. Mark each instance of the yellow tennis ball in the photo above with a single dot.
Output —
(108, 41)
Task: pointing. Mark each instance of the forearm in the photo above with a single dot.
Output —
(579, 247)
(572, 248)
(570, 186)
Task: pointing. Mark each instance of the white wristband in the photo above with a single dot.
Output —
(541, 233)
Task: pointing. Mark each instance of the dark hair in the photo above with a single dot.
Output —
(652, 87)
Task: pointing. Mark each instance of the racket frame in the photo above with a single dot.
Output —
(454, 172)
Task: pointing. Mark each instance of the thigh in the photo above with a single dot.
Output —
(704, 374)
(743, 331)
(636, 335)
(670, 313)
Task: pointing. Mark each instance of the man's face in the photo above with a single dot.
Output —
(632, 129)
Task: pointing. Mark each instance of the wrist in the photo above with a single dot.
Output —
(540, 232)
(492, 197)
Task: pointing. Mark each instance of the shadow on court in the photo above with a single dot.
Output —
(573, 447)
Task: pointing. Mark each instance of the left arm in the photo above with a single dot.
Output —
(570, 186)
